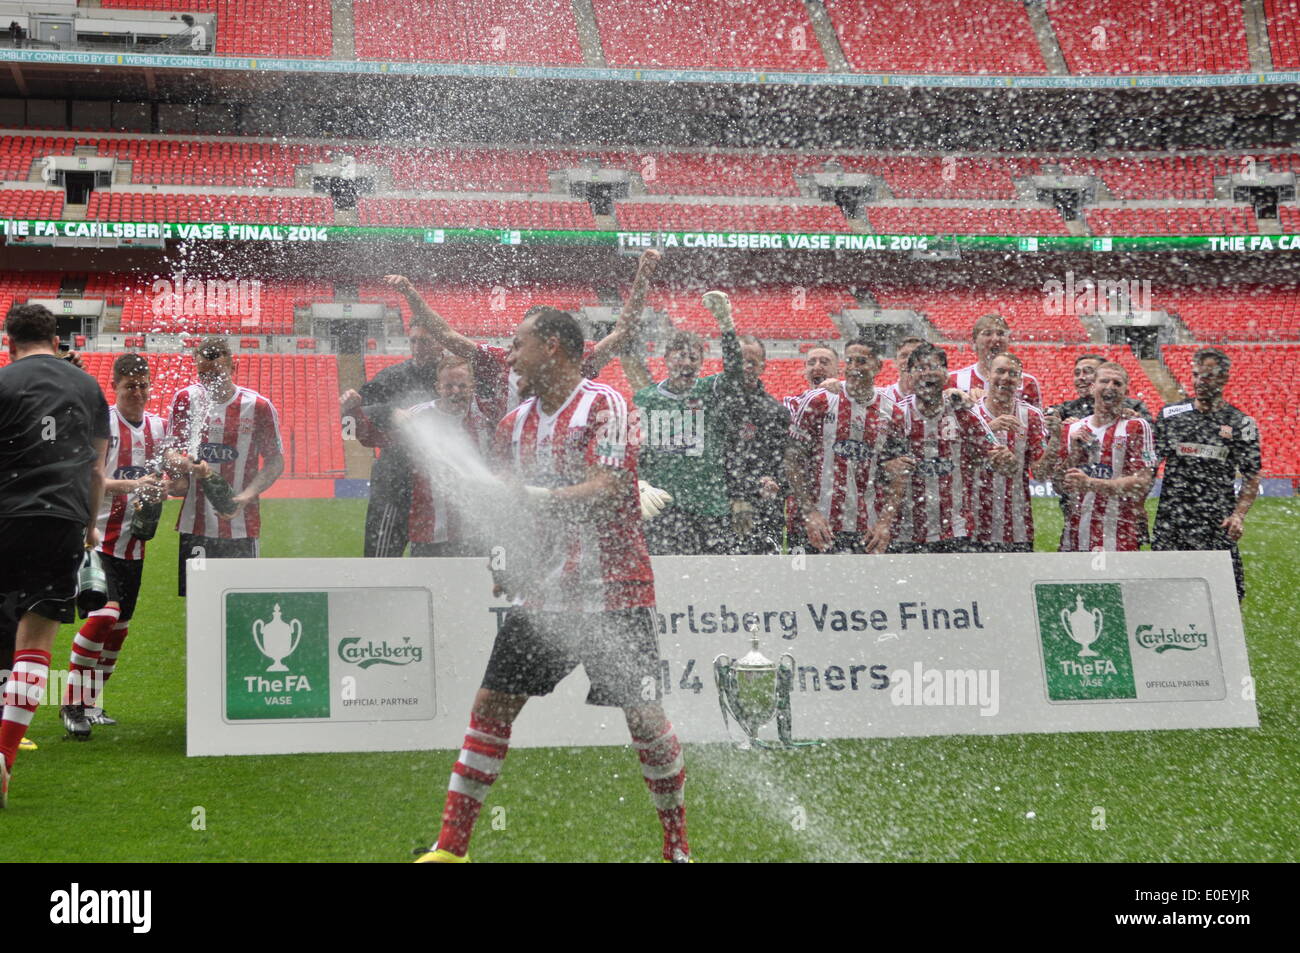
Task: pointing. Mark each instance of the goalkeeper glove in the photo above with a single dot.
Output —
(538, 495)
(742, 517)
(653, 500)
(719, 306)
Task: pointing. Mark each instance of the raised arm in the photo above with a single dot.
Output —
(625, 328)
(450, 339)
(733, 362)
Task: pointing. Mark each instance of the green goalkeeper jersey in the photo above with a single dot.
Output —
(681, 447)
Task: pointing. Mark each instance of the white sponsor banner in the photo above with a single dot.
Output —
(303, 655)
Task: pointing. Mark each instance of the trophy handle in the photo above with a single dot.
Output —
(295, 636)
(257, 636)
(1097, 619)
(784, 688)
(722, 675)
(1065, 622)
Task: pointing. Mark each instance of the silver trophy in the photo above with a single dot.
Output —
(752, 690)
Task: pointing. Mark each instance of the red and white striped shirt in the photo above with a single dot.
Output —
(893, 393)
(131, 447)
(1123, 448)
(598, 563)
(949, 449)
(433, 519)
(795, 401)
(969, 378)
(848, 441)
(1001, 504)
(234, 435)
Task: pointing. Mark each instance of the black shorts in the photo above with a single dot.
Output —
(386, 527)
(441, 550)
(938, 547)
(677, 532)
(209, 547)
(1008, 547)
(1168, 538)
(39, 559)
(124, 577)
(534, 651)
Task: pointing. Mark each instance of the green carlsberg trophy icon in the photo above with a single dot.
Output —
(277, 639)
(753, 689)
(1082, 625)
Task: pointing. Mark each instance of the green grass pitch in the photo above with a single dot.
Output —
(130, 794)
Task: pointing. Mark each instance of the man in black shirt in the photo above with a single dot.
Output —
(1206, 443)
(755, 435)
(53, 434)
(399, 387)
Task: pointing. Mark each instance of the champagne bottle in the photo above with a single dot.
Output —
(146, 511)
(219, 492)
(92, 585)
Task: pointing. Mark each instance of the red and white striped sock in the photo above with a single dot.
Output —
(23, 693)
(108, 657)
(664, 770)
(486, 744)
(84, 659)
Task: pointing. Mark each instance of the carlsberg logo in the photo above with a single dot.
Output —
(354, 652)
(1165, 640)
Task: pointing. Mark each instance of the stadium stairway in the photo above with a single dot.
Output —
(1258, 47)
(356, 458)
(593, 54)
(1041, 24)
(343, 35)
(826, 36)
(1170, 390)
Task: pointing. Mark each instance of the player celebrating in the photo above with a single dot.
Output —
(436, 529)
(230, 427)
(682, 452)
(134, 445)
(1004, 517)
(588, 598)
(1105, 463)
(393, 389)
(948, 445)
(1205, 442)
(902, 388)
(821, 369)
(837, 460)
(992, 336)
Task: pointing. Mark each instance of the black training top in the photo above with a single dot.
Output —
(1203, 454)
(399, 386)
(50, 411)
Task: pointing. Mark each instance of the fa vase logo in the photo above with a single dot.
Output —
(277, 639)
(1082, 625)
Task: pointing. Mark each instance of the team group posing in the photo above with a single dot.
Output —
(938, 462)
